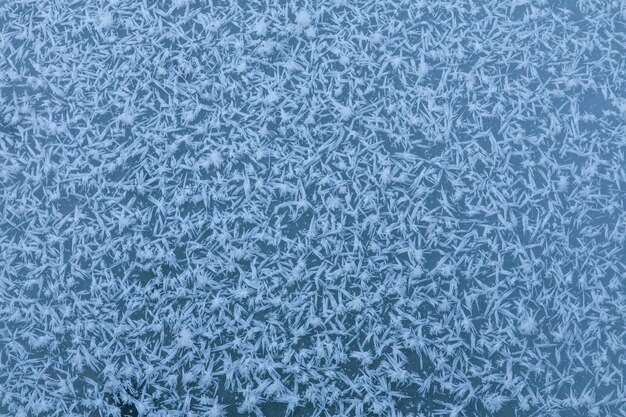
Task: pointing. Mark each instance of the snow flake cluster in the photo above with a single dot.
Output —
(340, 208)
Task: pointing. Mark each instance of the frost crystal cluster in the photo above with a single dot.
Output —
(346, 208)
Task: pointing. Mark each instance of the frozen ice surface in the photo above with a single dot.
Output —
(312, 208)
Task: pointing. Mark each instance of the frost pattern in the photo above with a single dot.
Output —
(324, 208)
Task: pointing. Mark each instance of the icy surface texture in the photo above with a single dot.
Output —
(333, 208)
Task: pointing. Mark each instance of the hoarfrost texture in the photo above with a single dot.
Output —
(324, 208)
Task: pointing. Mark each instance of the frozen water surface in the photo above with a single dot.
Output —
(334, 208)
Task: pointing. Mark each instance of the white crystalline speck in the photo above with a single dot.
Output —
(303, 18)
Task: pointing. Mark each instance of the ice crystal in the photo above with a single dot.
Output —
(312, 208)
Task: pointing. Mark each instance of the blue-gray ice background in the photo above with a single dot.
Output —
(343, 208)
